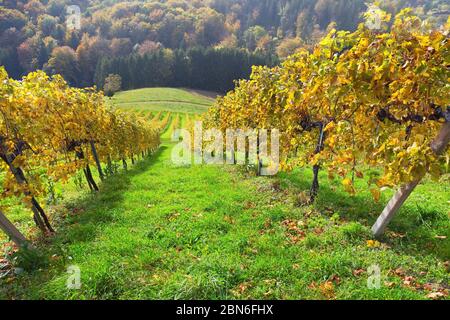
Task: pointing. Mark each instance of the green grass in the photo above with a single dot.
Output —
(213, 232)
(162, 99)
(208, 232)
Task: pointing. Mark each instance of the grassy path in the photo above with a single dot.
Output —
(205, 232)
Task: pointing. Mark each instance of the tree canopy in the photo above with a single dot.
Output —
(30, 30)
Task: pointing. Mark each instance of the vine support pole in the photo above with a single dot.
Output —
(39, 216)
(258, 156)
(319, 147)
(90, 178)
(87, 172)
(438, 146)
(12, 232)
(97, 160)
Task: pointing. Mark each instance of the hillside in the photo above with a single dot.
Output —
(162, 99)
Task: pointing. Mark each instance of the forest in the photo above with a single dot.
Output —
(34, 36)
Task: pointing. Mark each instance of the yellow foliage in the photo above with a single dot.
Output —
(370, 88)
(45, 123)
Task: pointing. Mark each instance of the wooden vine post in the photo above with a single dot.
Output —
(438, 146)
(319, 147)
(11, 231)
(39, 215)
(87, 172)
(97, 160)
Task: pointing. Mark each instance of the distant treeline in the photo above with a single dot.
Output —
(198, 68)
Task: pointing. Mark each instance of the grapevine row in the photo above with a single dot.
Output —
(373, 98)
(50, 131)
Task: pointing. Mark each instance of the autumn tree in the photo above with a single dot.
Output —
(48, 25)
(210, 28)
(34, 8)
(148, 46)
(50, 131)
(289, 46)
(253, 36)
(121, 47)
(89, 52)
(63, 61)
(113, 83)
(10, 18)
(72, 39)
(32, 53)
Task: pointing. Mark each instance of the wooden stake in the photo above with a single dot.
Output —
(438, 146)
(97, 160)
(319, 147)
(11, 230)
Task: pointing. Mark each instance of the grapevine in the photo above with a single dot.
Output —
(363, 98)
(50, 131)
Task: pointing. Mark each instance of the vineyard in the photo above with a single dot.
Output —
(362, 98)
(163, 100)
(88, 181)
(50, 131)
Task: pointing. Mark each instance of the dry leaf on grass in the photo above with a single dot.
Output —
(327, 290)
(408, 281)
(373, 244)
(358, 272)
(436, 295)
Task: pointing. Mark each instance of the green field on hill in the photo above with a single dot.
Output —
(163, 99)
(208, 232)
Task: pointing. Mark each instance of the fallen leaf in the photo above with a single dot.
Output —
(335, 279)
(327, 289)
(373, 244)
(243, 287)
(399, 272)
(318, 231)
(407, 281)
(397, 235)
(376, 194)
(429, 287)
(358, 272)
(249, 205)
(436, 295)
